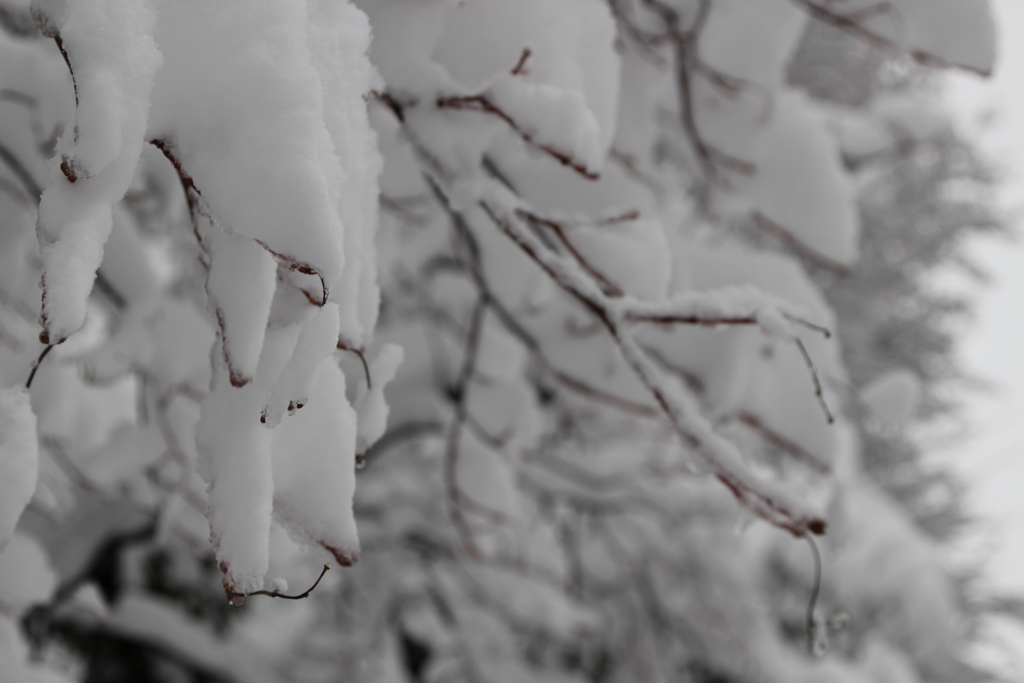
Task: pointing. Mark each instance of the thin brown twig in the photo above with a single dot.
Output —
(360, 353)
(781, 442)
(559, 231)
(818, 392)
(520, 67)
(274, 594)
(798, 246)
(35, 366)
(483, 103)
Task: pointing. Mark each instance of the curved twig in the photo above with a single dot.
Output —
(362, 358)
(274, 594)
(35, 366)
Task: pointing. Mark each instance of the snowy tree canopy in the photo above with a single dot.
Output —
(559, 274)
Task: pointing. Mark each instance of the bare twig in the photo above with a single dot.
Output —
(781, 442)
(483, 103)
(520, 67)
(818, 392)
(35, 366)
(797, 245)
(853, 23)
(362, 359)
(274, 594)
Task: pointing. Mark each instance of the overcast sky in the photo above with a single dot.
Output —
(993, 345)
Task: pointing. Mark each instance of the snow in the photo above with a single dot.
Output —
(800, 184)
(318, 337)
(114, 59)
(954, 32)
(633, 254)
(240, 284)
(371, 408)
(560, 38)
(251, 132)
(19, 453)
(339, 34)
(887, 564)
(734, 44)
(507, 108)
(235, 459)
(314, 468)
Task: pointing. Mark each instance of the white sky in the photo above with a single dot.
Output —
(993, 347)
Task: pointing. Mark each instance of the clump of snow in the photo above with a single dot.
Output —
(371, 408)
(19, 453)
(113, 58)
(251, 133)
(314, 467)
(560, 37)
(240, 283)
(235, 459)
(339, 33)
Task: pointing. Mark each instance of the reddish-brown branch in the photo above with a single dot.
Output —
(818, 392)
(482, 103)
(758, 502)
(797, 245)
(391, 103)
(520, 67)
(559, 232)
(781, 442)
(852, 24)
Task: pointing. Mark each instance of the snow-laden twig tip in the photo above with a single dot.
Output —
(241, 598)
